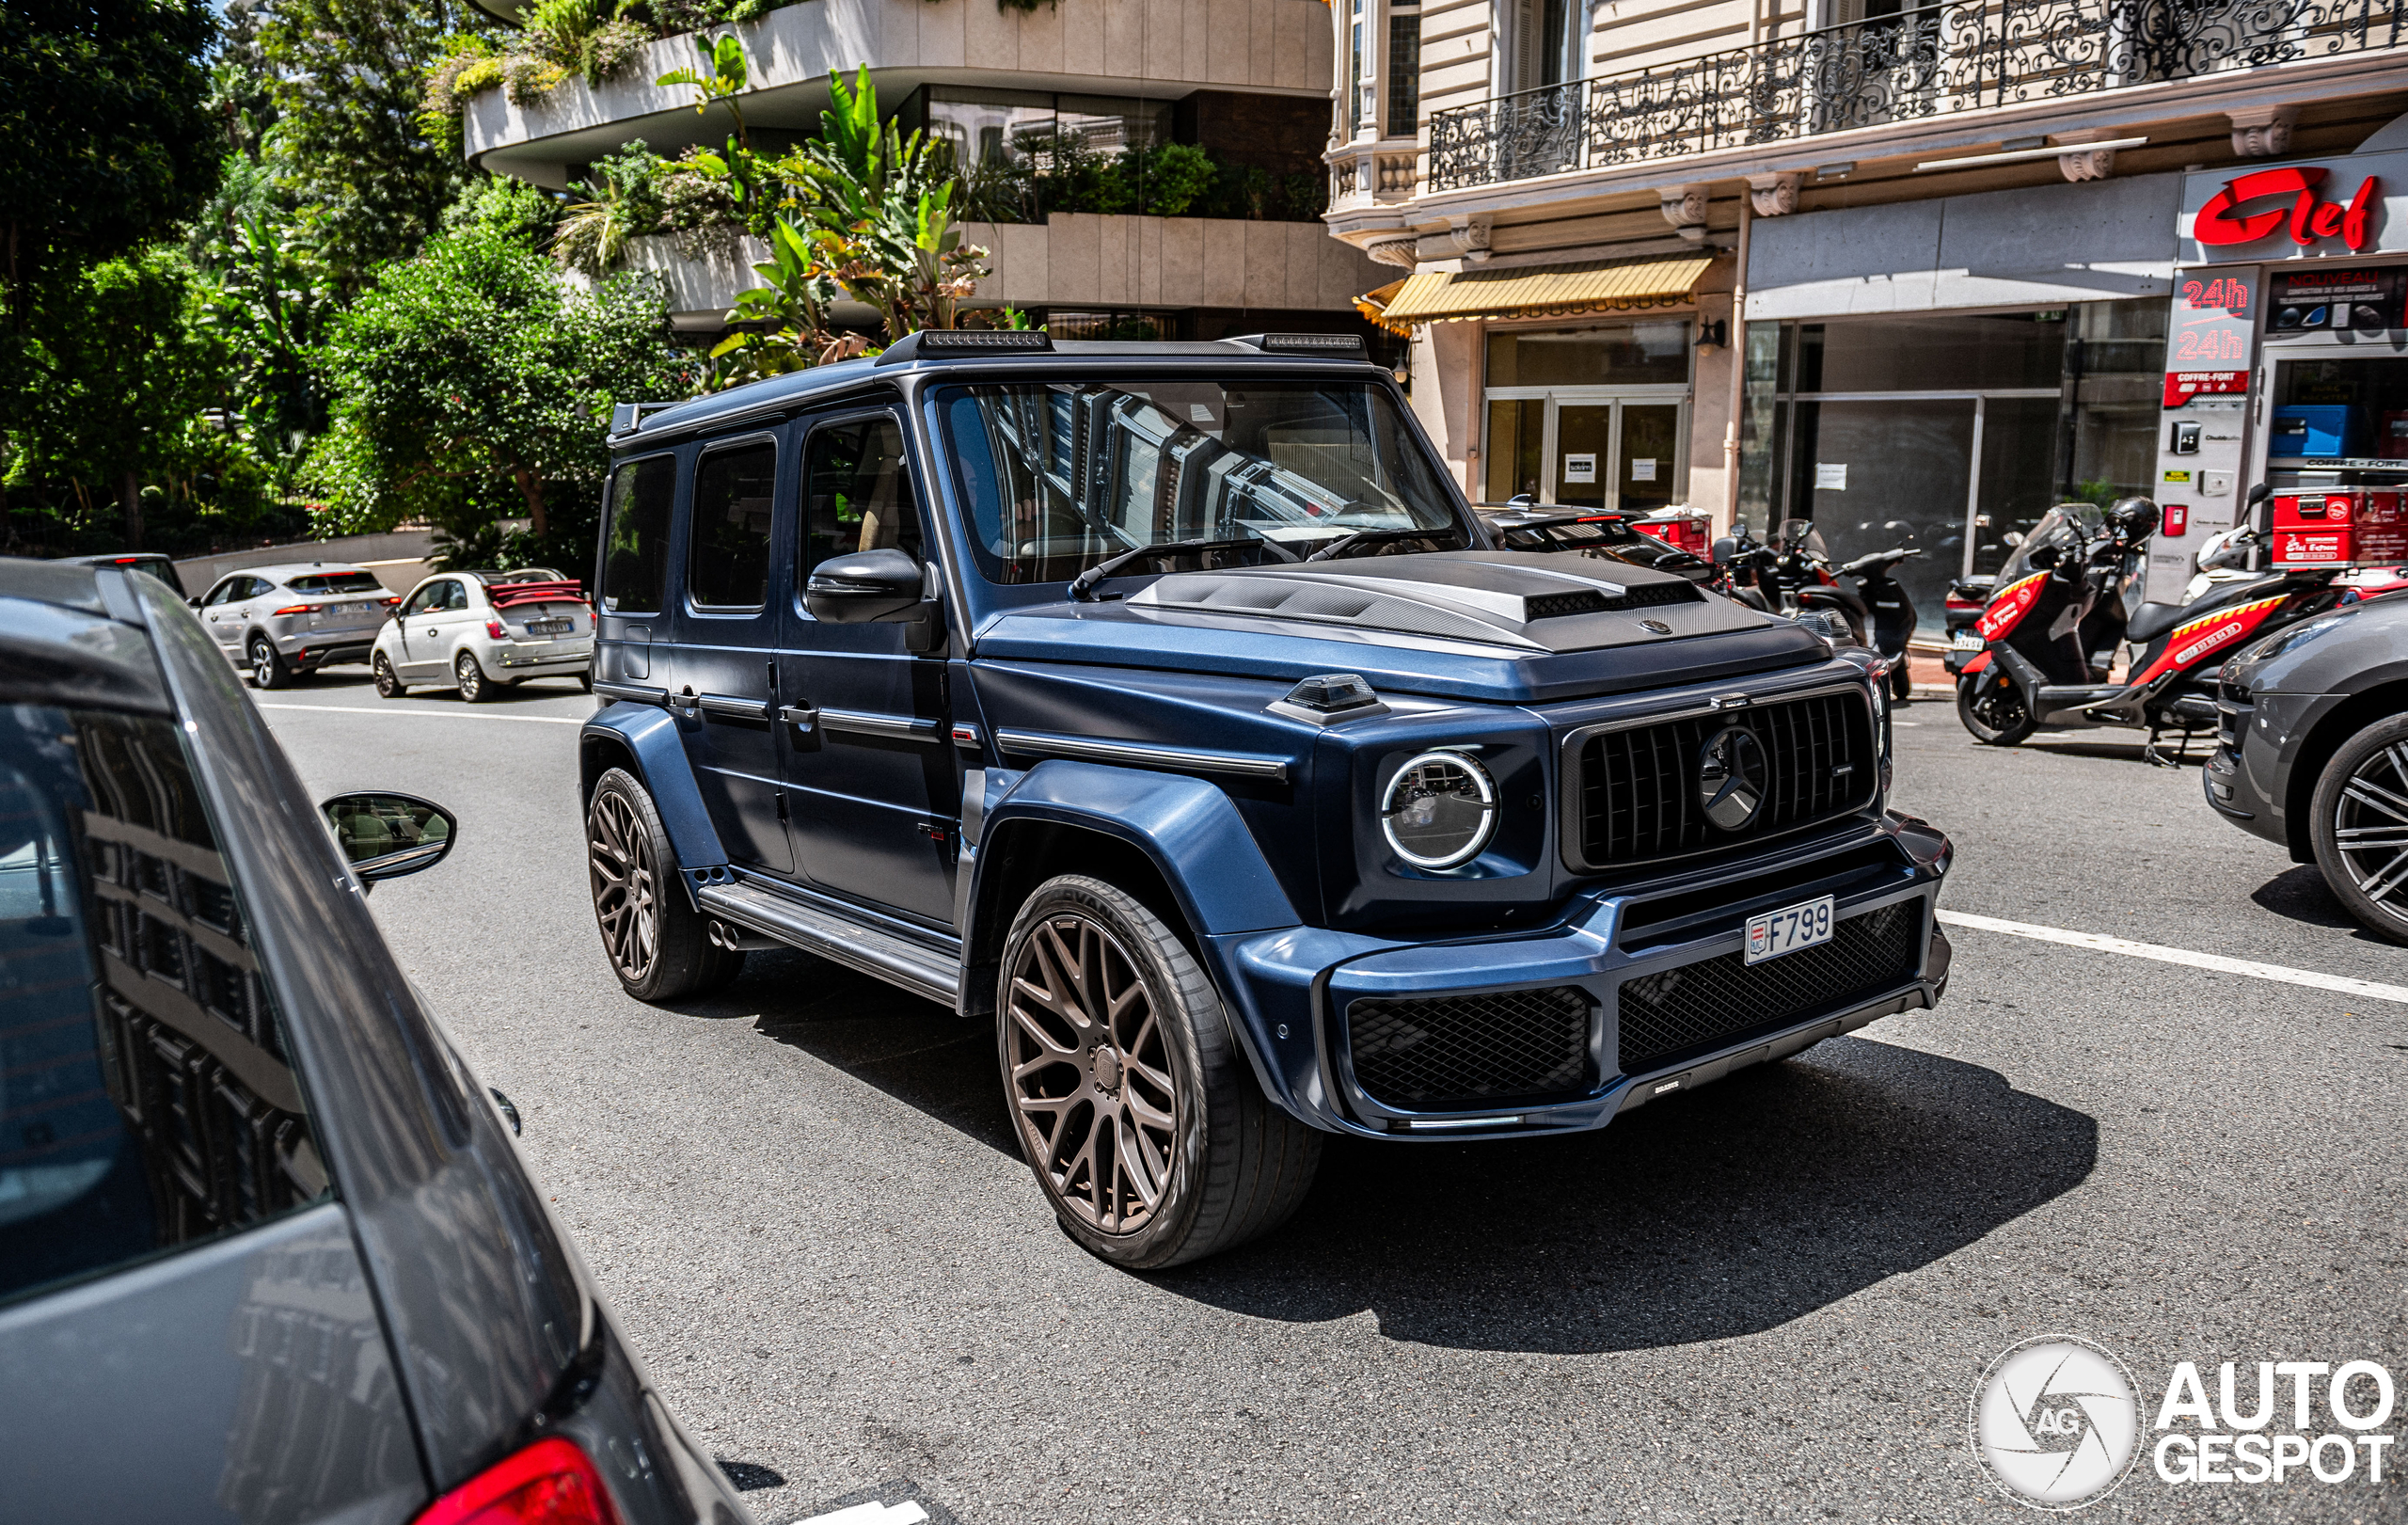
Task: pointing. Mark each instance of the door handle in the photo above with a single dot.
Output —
(725, 704)
(801, 717)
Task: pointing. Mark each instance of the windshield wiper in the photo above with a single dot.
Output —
(1083, 586)
(1372, 537)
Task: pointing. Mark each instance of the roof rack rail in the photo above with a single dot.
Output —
(1351, 344)
(937, 343)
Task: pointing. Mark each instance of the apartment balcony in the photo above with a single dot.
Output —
(1958, 70)
(1078, 260)
(1159, 49)
(1372, 173)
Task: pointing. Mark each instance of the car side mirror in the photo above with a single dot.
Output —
(387, 835)
(864, 587)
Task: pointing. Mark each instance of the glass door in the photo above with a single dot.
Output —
(1583, 454)
(1647, 450)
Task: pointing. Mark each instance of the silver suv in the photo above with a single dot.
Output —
(279, 622)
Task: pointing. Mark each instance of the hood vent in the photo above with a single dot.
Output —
(1548, 606)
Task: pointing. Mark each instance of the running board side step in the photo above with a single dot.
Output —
(922, 971)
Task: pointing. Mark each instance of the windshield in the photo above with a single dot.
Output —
(1060, 475)
(2069, 527)
(1799, 534)
(336, 582)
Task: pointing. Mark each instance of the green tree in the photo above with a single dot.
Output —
(348, 145)
(472, 368)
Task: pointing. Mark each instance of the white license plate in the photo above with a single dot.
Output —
(555, 626)
(1969, 641)
(1788, 929)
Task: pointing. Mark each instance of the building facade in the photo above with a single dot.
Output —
(1907, 271)
(1247, 80)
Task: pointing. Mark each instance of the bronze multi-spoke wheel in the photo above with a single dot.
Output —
(2360, 822)
(654, 938)
(1130, 1097)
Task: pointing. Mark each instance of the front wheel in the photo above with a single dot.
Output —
(1997, 718)
(268, 668)
(1902, 682)
(388, 683)
(1131, 1100)
(2359, 821)
(654, 938)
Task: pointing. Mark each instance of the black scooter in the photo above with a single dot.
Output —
(1893, 608)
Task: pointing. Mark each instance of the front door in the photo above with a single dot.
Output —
(721, 681)
(225, 610)
(870, 760)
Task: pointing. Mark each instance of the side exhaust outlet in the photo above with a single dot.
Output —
(736, 939)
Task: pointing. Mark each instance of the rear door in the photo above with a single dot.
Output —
(877, 787)
(631, 580)
(724, 667)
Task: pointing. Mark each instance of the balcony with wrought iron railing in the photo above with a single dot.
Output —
(1934, 60)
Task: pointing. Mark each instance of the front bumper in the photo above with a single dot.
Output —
(1299, 992)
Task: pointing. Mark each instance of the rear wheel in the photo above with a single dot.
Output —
(474, 686)
(268, 667)
(1131, 1100)
(654, 938)
(1996, 717)
(388, 683)
(2358, 820)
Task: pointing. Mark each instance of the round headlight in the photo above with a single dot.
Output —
(1439, 810)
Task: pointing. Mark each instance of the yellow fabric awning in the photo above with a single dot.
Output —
(1545, 290)
(1374, 305)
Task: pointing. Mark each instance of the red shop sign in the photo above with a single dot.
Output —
(2221, 221)
(2181, 385)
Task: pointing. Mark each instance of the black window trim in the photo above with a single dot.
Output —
(691, 476)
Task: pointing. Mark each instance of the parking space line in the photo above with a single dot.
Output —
(905, 1513)
(2217, 962)
(441, 714)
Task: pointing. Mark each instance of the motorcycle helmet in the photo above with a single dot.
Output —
(2135, 519)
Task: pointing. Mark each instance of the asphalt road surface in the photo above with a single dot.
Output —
(1771, 1299)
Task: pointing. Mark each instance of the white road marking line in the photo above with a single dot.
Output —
(2368, 988)
(905, 1513)
(445, 714)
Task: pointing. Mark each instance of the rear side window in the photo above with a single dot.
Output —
(146, 1098)
(635, 548)
(727, 552)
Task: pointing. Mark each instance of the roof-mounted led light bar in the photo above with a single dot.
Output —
(940, 343)
(1350, 345)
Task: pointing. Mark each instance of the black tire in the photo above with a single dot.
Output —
(388, 683)
(2359, 821)
(475, 688)
(1902, 682)
(1163, 1069)
(585, 680)
(268, 668)
(1999, 721)
(656, 941)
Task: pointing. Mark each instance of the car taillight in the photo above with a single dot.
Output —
(551, 1483)
(1963, 606)
(298, 609)
(494, 629)
(395, 599)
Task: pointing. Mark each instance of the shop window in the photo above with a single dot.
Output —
(1647, 352)
(1515, 441)
(2114, 369)
(1932, 352)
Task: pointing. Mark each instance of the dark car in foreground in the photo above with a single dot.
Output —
(1168, 707)
(2312, 752)
(267, 1251)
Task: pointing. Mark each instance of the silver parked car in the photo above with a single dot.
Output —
(483, 631)
(277, 623)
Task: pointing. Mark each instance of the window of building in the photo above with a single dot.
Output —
(1355, 71)
(1651, 352)
(1404, 71)
(1594, 417)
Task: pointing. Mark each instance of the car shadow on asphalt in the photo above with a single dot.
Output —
(2301, 894)
(1728, 1211)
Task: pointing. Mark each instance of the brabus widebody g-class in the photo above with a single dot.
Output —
(1167, 705)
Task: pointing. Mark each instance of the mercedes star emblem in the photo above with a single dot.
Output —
(1730, 778)
(1656, 625)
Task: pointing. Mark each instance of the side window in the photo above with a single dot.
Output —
(635, 549)
(727, 548)
(222, 594)
(148, 1100)
(420, 601)
(449, 594)
(857, 493)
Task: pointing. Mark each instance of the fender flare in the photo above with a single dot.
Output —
(1192, 834)
(649, 738)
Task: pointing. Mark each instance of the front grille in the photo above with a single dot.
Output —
(1464, 1050)
(1639, 786)
(1694, 1008)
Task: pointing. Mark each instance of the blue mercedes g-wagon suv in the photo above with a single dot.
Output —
(1167, 706)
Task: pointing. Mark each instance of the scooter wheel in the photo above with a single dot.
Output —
(1902, 683)
(1998, 718)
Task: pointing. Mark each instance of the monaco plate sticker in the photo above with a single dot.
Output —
(1788, 929)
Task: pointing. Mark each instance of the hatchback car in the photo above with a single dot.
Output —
(479, 632)
(268, 1251)
(277, 623)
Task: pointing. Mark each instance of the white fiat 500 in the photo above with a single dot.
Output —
(481, 631)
